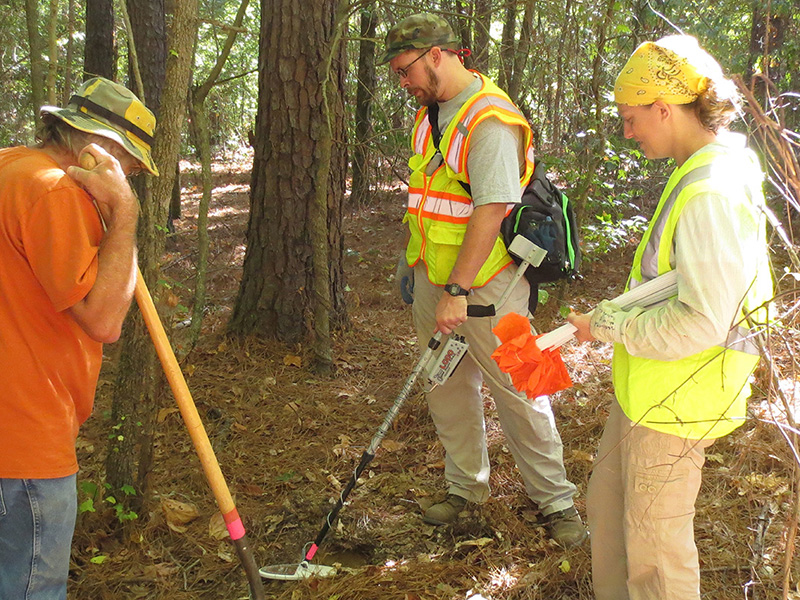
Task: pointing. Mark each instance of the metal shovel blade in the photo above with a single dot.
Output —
(295, 572)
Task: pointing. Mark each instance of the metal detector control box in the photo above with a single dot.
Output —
(442, 365)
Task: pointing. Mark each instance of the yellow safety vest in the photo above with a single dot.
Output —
(438, 206)
(702, 396)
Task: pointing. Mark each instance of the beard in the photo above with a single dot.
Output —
(426, 94)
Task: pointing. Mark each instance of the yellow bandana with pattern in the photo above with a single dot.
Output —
(673, 69)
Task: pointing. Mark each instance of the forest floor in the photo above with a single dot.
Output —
(288, 439)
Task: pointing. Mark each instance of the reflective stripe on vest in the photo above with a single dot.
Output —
(739, 337)
(649, 259)
(703, 395)
(439, 208)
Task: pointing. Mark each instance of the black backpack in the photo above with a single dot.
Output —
(545, 217)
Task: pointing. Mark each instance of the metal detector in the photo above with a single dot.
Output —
(438, 368)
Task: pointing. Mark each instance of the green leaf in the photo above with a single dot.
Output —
(86, 506)
(286, 476)
(89, 487)
(128, 490)
(544, 296)
(564, 311)
(99, 559)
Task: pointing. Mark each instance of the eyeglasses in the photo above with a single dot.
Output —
(402, 73)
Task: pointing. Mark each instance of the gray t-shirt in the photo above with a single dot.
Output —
(496, 158)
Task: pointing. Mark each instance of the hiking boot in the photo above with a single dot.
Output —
(445, 512)
(566, 528)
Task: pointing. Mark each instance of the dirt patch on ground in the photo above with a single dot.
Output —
(287, 440)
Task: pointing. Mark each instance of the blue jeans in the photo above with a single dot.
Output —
(37, 520)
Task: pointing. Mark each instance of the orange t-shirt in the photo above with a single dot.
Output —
(49, 239)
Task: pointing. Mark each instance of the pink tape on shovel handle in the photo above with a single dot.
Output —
(311, 551)
(234, 524)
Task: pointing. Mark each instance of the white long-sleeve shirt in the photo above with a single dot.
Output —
(717, 256)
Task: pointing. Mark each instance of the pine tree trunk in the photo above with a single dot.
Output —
(507, 44)
(299, 160)
(522, 51)
(150, 36)
(480, 47)
(35, 45)
(359, 194)
(52, 44)
(100, 50)
(134, 405)
(67, 92)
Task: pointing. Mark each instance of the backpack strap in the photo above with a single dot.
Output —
(433, 119)
(436, 135)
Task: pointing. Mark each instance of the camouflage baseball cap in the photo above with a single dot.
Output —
(423, 30)
(105, 108)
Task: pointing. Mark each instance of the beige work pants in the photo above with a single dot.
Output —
(457, 406)
(640, 509)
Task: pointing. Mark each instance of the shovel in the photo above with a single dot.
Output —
(194, 425)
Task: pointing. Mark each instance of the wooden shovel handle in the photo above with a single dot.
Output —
(198, 434)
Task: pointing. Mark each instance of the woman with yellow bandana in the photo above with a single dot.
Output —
(681, 369)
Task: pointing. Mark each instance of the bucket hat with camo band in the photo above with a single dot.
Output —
(105, 108)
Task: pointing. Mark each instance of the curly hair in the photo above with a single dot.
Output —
(718, 105)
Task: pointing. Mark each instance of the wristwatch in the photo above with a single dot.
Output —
(455, 290)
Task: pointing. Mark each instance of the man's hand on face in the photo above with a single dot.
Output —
(103, 176)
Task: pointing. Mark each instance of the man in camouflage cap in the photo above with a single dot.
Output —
(455, 256)
(65, 288)
(418, 31)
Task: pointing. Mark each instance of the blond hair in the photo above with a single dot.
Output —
(718, 105)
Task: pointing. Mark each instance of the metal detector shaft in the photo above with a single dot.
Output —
(369, 453)
(199, 436)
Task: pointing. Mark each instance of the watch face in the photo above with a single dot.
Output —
(455, 290)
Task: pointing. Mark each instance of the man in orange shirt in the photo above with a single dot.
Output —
(65, 288)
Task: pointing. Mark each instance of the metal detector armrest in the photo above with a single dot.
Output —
(480, 310)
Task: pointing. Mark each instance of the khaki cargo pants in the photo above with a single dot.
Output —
(640, 508)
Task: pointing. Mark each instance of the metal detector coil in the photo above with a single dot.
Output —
(440, 367)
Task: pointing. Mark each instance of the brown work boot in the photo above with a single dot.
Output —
(445, 512)
(566, 528)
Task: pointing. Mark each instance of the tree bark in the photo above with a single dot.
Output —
(52, 44)
(298, 167)
(480, 47)
(149, 25)
(67, 92)
(507, 44)
(100, 49)
(35, 45)
(521, 52)
(463, 27)
(359, 193)
(135, 404)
